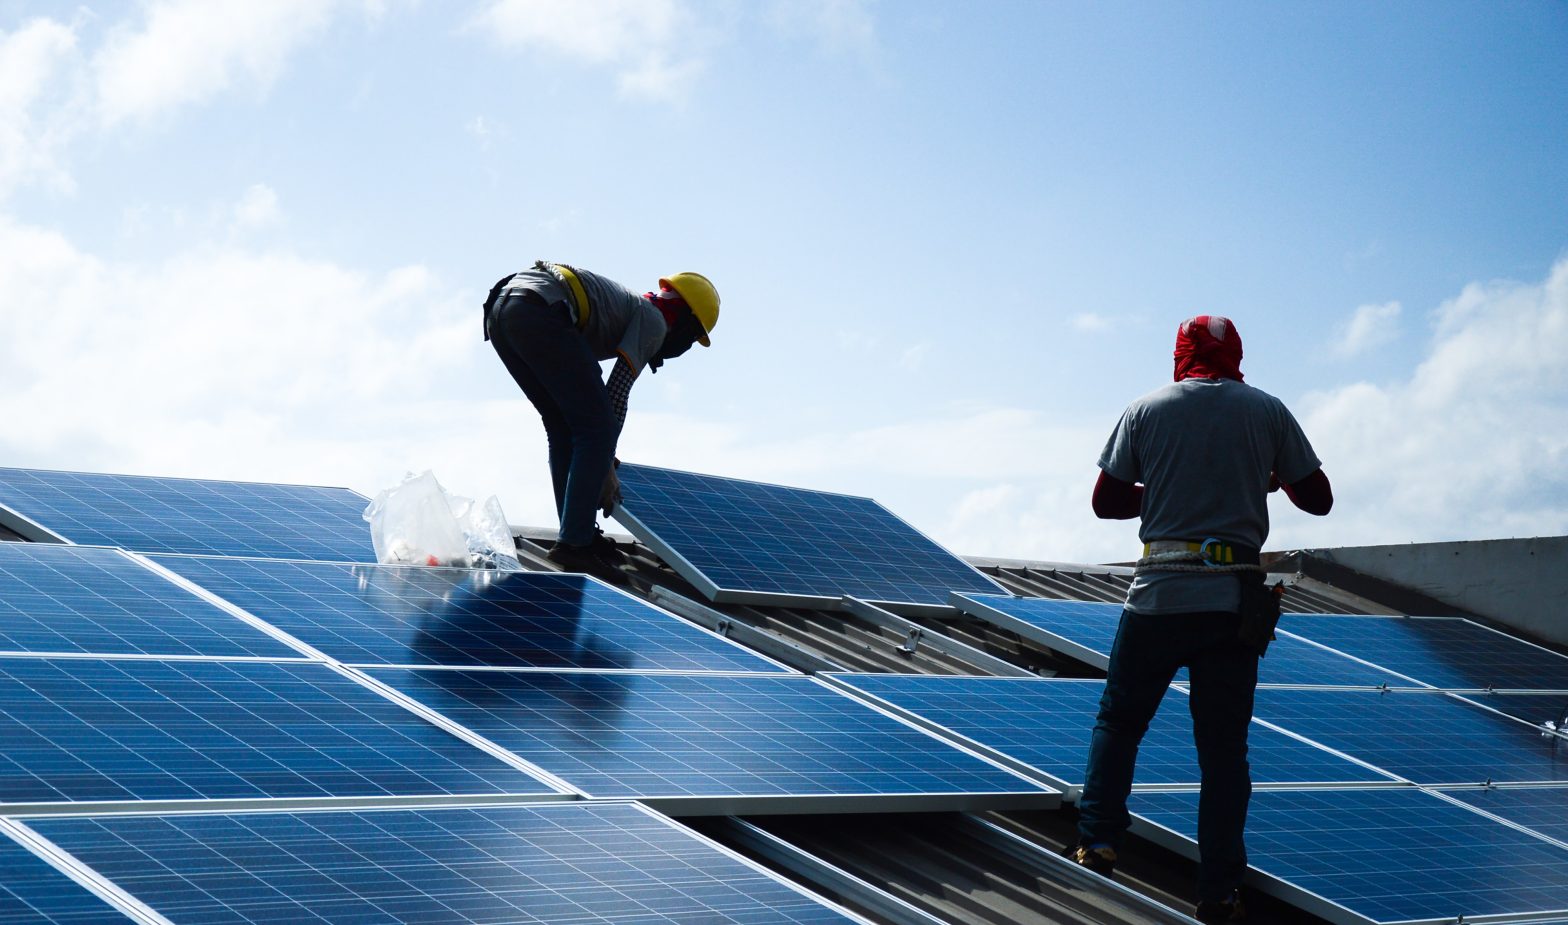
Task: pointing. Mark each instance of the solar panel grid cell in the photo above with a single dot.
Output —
(392, 615)
(749, 537)
(1542, 809)
(1390, 855)
(96, 729)
(192, 516)
(610, 864)
(56, 599)
(34, 893)
(645, 736)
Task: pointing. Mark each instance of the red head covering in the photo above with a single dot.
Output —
(1208, 347)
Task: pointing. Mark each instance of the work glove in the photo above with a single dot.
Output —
(610, 493)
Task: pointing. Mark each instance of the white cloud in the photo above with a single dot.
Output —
(227, 363)
(1090, 323)
(188, 51)
(1473, 445)
(257, 208)
(1370, 326)
(41, 102)
(654, 46)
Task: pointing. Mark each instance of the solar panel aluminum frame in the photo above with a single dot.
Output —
(29, 529)
(1321, 906)
(78, 873)
(982, 611)
(832, 602)
(916, 636)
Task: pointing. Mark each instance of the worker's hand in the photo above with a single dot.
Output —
(610, 493)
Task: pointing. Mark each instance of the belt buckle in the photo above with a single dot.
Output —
(1203, 552)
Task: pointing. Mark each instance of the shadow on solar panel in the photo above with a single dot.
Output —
(408, 615)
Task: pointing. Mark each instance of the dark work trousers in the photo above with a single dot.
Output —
(551, 362)
(1149, 649)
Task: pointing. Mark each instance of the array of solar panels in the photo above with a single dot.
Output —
(1395, 759)
(216, 708)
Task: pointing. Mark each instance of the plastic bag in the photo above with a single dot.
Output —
(419, 523)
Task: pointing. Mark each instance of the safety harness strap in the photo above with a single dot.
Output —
(574, 289)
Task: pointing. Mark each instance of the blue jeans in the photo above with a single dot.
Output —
(1224, 676)
(550, 361)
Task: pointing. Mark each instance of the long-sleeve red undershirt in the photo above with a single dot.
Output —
(1115, 499)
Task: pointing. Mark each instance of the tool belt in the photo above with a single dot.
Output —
(1259, 608)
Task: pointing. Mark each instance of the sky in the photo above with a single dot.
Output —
(953, 241)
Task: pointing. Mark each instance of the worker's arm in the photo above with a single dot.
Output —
(1115, 499)
(1312, 494)
(622, 375)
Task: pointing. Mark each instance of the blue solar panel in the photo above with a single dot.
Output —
(57, 598)
(1390, 855)
(1046, 724)
(652, 736)
(192, 516)
(400, 615)
(114, 729)
(1426, 737)
(1444, 652)
(1085, 631)
(34, 893)
(750, 540)
(1535, 709)
(606, 864)
(1542, 809)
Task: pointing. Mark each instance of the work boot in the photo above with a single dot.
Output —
(587, 559)
(1099, 858)
(1221, 910)
(608, 550)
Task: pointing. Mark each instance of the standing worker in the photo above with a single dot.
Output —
(551, 325)
(1207, 450)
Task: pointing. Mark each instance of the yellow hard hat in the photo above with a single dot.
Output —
(700, 297)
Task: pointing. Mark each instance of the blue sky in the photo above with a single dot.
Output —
(953, 241)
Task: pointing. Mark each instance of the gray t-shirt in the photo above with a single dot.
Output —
(620, 322)
(1204, 449)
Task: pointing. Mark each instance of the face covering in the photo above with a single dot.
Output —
(1208, 347)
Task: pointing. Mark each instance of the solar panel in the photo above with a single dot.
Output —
(1047, 724)
(1390, 855)
(1426, 737)
(192, 516)
(401, 615)
(34, 893)
(85, 729)
(1542, 809)
(747, 740)
(56, 599)
(753, 542)
(91, 599)
(608, 864)
(1444, 652)
(1085, 630)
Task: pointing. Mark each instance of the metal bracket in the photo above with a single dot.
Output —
(912, 644)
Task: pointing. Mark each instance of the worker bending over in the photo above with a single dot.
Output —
(1207, 450)
(551, 325)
